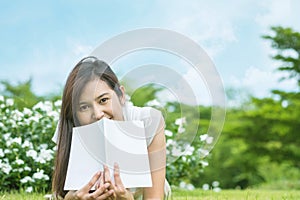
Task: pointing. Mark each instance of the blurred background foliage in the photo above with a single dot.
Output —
(260, 143)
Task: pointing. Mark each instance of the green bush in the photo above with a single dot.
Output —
(27, 151)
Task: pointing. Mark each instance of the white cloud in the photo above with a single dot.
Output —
(260, 82)
(210, 24)
(82, 49)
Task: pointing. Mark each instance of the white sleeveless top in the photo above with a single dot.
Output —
(152, 119)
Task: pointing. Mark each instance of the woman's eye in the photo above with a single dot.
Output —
(83, 107)
(103, 101)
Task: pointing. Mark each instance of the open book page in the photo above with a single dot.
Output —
(106, 142)
(125, 144)
(87, 155)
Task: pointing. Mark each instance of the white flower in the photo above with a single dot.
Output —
(20, 169)
(187, 186)
(58, 103)
(7, 151)
(209, 140)
(189, 150)
(206, 138)
(9, 102)
(19, 162)
(176, 152)
(181, 129)
(53, 114)
(5, 167)
(26, 168)
(43, 146)
(12, 122)
(1, 124)
(203, 137)
(1, 153)
(44, 106)
(204, 163)
(17, 140)
(170, 142)
(215, 184)
(17, 115)
(10, 141)
(27, 143)
(6, 136)
(35, 118)
(31, 153)
(203, 152)
(29, 189)
(45, 155)
(205, 186)
(27, 111)
(168, 133)
(180, 121)
(1, 98)
(190, 186)
(40, 175)
(182, 184)
(26, 179)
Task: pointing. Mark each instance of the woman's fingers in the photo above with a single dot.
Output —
(106, 174)
(102, 192)
(118, 181)
(92, 182)
(107, 178)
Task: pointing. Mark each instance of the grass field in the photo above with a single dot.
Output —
(196, 194)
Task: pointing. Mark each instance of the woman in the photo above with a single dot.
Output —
(92, 91)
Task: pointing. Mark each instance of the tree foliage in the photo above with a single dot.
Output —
(287, 40)
(21, 93)
(260, 140)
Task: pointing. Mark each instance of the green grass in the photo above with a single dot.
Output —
(196, 194)
(237, 195)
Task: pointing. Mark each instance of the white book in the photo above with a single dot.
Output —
(108, 142)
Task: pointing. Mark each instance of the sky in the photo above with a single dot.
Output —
(43, 40)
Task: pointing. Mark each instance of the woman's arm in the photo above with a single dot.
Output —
(157, 158)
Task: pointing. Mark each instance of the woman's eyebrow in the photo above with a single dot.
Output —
(101, 95)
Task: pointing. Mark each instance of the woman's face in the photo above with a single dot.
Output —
(98, 100)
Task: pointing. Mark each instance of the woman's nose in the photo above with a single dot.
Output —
(98, 114)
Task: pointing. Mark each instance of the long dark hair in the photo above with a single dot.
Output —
(87, 69)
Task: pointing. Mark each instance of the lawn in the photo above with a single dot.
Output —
(237, 195)
(196, 194)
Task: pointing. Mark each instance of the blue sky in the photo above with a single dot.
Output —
(44, 39)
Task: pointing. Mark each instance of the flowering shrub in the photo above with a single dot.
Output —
(26, 149)
(185, 160)
(186, 157)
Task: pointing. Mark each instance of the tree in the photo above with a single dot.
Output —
(260, 140)
(21, 93)
(287, 40)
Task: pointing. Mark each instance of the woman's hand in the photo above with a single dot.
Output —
(101, 192)
(120, 192)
